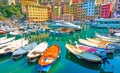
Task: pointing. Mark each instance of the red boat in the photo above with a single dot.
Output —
(2, 32)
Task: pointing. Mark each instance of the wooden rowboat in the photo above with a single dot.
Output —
(99, 42)
(11, 47)
(82, 54)
(104, 45)
(97, 51)
(37, 51)
(49, 56)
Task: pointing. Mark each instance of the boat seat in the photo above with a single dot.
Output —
(35, 52)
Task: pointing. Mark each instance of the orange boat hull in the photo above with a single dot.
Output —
(49, 56)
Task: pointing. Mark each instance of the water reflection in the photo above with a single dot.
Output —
(2, 59)
(83, 63)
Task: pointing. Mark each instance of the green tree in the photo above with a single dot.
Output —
(9, 10)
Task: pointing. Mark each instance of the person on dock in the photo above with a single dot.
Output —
(111, 32)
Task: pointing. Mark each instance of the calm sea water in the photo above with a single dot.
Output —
(67, 63)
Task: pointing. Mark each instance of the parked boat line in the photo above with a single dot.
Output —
(84, 52)
(9, 48)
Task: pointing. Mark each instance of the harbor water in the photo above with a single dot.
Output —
(66, 63)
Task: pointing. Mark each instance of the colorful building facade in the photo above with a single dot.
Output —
(80, 1)
(89, 7)
(74, 1)
(97, 8)
(97, 11)
(56, 12)
(79, 11)
(73, 10)
(106, 11)
(24, 3)
(66, 8)
(36, 13)
(67, 17)
(84, 11)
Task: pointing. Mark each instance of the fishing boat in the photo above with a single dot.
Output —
(81, 54)
(37, 51)
(23, 50)
(9, 48)
(107, 47)
(6, 40)
(49, 56)
(108, 38)
(2, 32)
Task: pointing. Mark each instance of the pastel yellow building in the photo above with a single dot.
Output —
(97, 11)
(24, 3)
(99, 2)
(73, 10)
(66, 9)
(37, 13)
(70, 9)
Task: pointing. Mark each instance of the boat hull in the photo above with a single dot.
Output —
(49, 56)
(83, 55)
(37, 51)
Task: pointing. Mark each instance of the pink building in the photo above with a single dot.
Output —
(106, 11)
(67, 17)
